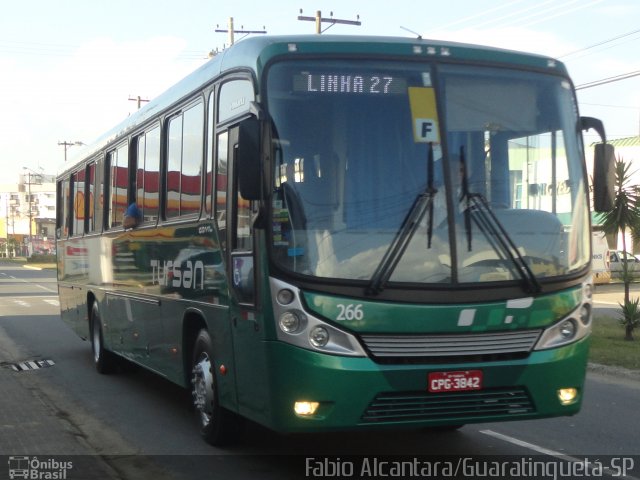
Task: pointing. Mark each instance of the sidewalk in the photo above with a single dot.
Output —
(33, 432)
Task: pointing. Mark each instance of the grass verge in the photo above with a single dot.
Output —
(608, 346)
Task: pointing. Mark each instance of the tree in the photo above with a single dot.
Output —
(625, 215)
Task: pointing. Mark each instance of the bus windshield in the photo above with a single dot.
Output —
(391, 172)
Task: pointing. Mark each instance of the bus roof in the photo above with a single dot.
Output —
(255, 52)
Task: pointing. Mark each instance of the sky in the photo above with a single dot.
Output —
(68, 68)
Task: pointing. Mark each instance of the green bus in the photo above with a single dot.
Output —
(322, 233)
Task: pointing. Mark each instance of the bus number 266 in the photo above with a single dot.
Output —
(350, 312)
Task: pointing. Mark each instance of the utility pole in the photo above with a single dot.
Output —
(66, 146)
(38, 176)
(231, 30)
(139, 100)
(319, 21)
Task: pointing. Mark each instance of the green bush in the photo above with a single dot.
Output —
(41, 258)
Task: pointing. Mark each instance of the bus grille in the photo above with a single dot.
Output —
(494, 346)
(454, 406)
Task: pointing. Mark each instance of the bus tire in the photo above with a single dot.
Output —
(103, 360)
(218, 426)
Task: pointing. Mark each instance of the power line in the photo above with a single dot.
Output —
(546, 17)
(608, 106)
(604, 42)
(518, 13)
(604, 81)
(476, 15)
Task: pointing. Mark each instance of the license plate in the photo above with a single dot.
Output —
(458, 381)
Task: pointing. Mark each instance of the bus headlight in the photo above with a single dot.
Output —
(285, 296)
(319, 337)
(298, 326)
(585, 314)
(290, 322)
(571, 328)
(567, 330)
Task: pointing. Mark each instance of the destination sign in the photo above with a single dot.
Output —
(353, 83)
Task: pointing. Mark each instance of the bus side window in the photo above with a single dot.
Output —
(243, 274)
(78, 204)
(220, 205)
(210, 166)
(98, 195)
(184, 162)
(90, 200)
(118, 184)
(148, 174)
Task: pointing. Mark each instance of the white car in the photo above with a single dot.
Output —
(616, 259)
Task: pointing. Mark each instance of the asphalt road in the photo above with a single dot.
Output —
(140, 424)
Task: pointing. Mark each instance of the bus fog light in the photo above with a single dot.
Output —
(289, 322)
(568, 329)
(567, 396)
(305, 408)
(319, 337)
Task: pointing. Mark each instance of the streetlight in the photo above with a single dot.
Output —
(38, 175)
(67, 145)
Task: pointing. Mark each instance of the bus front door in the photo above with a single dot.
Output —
(246, 317)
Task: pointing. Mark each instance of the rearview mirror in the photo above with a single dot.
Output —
(248, 158)
(604, 167)
(604, 175)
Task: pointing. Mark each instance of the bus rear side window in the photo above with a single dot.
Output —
(62, 227)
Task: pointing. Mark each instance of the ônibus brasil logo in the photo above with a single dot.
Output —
(33, 468)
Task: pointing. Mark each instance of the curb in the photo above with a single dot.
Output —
(613, 371)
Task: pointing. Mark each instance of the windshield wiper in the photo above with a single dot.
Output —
(493, 231)
(421, 205)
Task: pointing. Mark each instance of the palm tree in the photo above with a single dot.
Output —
(623, 216)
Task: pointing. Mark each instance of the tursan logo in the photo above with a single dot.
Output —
(187, 274)
(33, 468)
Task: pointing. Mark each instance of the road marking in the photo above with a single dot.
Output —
(46, 289)
(547, 451)
(26, 302)
(522, 443)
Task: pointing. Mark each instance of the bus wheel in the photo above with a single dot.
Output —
(218, 426)
(104, 360)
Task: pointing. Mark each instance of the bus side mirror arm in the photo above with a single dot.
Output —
(604, 165)
(256, 110)
(589, 122)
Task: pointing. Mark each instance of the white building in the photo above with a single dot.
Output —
(27, 215)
